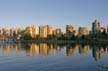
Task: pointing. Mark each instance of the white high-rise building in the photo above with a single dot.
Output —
(35, 31)
(49, 30)
(43, 31)
(29, 30)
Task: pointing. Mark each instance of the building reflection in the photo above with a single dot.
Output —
(96, 54)
(44, 49)
(34, 49)
(9, 48)
(83, 49)
(70, 50)
(98, 51)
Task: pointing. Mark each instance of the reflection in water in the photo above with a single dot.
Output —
(83, 49)
(98, 51)
(44, 49)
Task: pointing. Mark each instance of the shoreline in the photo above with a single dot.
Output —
(67, 41)
(59, 41)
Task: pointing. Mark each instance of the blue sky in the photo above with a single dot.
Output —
(57, 13)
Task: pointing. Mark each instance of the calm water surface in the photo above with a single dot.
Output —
(49, 57)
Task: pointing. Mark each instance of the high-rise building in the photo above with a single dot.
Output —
(18, 32)
(107, 29)
(96, 27)
(58, 32)
(7, 32)
(83, 31)
(43, 31)
(35, 31)
(11, 33)
(54, 32)
(1, 32)
(49, 30)
(69, 30)
(29, 30)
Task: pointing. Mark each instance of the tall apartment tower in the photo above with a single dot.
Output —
(96, 27)
(43, 31)
(35, 31)
(69, 30)
(49, 30)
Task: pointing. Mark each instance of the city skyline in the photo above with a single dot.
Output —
(74, 27)
(57, 13)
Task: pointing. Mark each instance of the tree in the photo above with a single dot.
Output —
(85, 37)
(63, 38)
(104, 32)
(73, 37)
(27, 36)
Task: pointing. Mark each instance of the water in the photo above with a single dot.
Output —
(49, 57)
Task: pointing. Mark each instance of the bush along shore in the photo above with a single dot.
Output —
(91, 39)
(66, 41)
